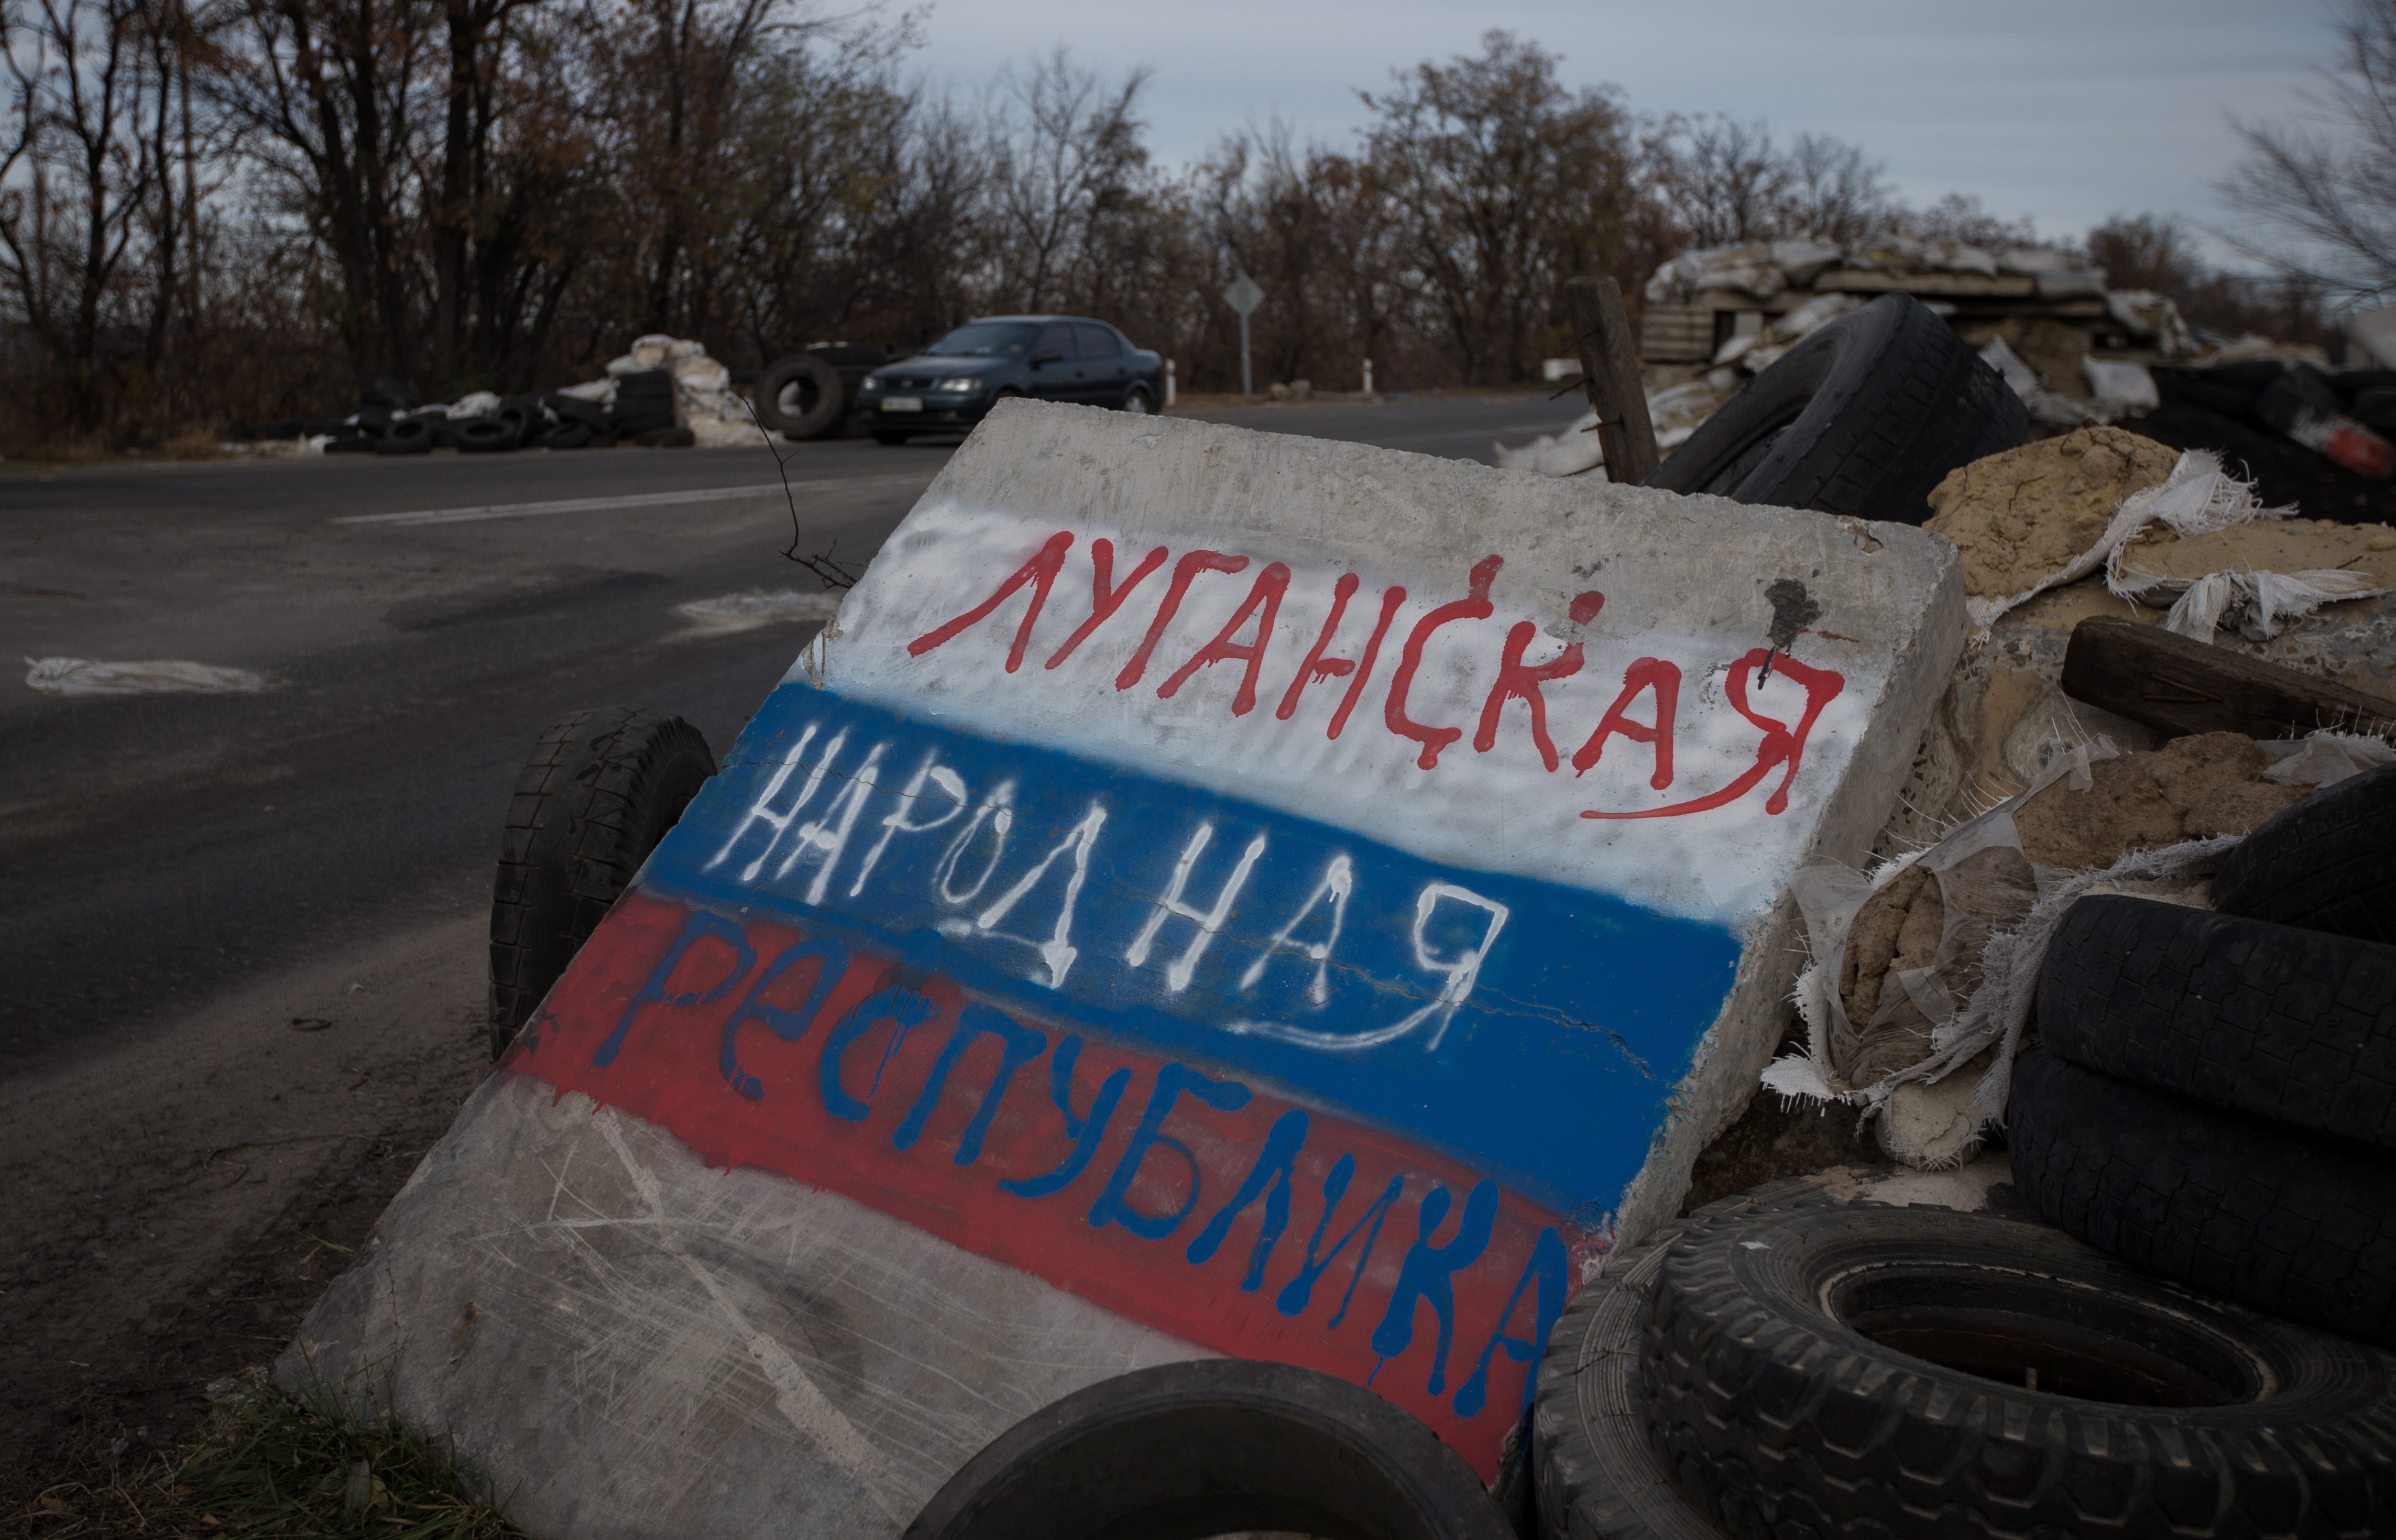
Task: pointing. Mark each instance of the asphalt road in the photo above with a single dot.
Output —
(157, 851)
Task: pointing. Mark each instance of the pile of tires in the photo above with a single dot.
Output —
(2213, 1094)
(391, 420)
(1786, 1364)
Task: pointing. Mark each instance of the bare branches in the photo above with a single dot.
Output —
(2320, 201)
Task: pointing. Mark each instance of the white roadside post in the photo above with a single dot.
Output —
(1168, 383)
(1369, 376)
(1243, 296)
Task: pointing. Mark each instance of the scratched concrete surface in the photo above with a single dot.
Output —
(630, 1345)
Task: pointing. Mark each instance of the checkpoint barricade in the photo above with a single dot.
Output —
(1208, 893)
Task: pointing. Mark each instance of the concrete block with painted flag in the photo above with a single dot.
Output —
(1210, 893)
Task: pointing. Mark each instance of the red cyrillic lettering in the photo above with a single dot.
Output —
(1780, 746)
(1272, 583)
(1103, 600)
(1477, 608)
(1041, 571)
(1184, 571)
(1647, 673)
(1517, 680)
(1317, 668)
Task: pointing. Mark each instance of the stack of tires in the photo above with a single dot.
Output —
(2185, 1337)
(2213, 1096)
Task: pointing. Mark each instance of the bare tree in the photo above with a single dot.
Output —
(1723, 179)
(1832, 191)
(1510, 183)
(87, 171)
(1065, 149)
(2321, 201)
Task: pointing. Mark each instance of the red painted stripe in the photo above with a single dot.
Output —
(667, 1069)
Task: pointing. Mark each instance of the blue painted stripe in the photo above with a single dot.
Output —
(1529, 1028)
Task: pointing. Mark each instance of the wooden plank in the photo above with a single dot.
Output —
(2178, 686)
(1957, 285)
(1609, 366)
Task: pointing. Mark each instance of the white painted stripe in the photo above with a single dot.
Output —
(598, 505)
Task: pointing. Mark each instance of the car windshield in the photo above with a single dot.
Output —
(986, 339)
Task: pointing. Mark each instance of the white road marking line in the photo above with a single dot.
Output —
(595, 505)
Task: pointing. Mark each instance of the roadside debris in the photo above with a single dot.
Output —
(154, 676)
(663, 392)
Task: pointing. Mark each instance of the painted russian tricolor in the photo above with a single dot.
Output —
(1303, 900)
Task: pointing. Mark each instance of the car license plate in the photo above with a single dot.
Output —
(902, 403)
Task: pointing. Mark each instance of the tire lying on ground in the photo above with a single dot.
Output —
(2327, 864)
(1828, 1369)
(2293, 1026)
(599, 791)
(484, 435)
(800, 397)
(1212, 1448)
(407, 435)
(2301, 1227)
(1862, 418)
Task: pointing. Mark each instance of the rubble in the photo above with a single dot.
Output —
(2036, 516)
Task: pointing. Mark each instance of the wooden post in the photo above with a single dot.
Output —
(2178, 686)
(1609, 367)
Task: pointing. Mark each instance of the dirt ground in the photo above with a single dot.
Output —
(172, 1208)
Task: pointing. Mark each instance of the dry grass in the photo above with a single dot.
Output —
(264, 1467)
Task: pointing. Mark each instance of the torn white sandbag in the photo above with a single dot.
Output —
(1805, 260)
(2120, 387)
(2153, 317)
(150, 676)
(1570, 452)
(2018, 376)
(2256, 603)
(1933, 1067)
(1813, 315)
(2030, 261)
(475, 404)
(2325, 757)
(599, 393)
(2200, 499)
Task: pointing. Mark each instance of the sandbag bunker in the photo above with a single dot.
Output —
(1208, 895)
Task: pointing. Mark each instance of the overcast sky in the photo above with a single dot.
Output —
(2064, 110)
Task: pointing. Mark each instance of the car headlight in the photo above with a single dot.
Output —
(967, 383)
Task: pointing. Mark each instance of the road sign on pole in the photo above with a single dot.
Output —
(1244, 296)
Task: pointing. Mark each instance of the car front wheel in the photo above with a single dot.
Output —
(1135, 401)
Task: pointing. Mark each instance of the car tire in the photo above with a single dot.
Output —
(815, 398)
(484, 435)
(2326, 864)
(2294, 1027)
(1846, 1368)
(407, 435)
(1598, 1474)
(598, 792)
(886, 435)
(1137, 401)
(2301, 1227)
(1862, 418)
(1210, 1448)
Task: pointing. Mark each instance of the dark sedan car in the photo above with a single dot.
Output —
(950, 385)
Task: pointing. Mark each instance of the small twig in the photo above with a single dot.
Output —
(834, 574)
